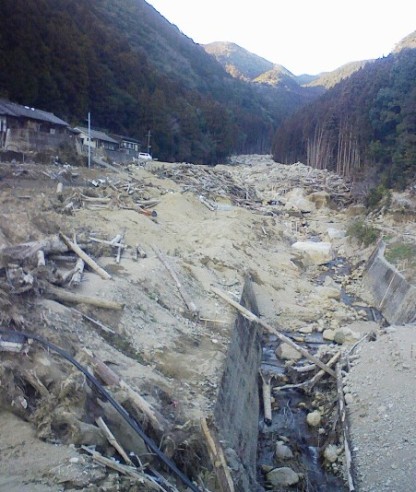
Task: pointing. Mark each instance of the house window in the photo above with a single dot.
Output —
(52, 131)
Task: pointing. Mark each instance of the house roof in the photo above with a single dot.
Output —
(122, 138)
(9, 108)
(97, 135)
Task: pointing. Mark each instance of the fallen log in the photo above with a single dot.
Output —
(141, 253)
(112, 440)
(18, 252)
(41, 258)
(252, 317)
(59, 192)
(71, 297)
(113, 243)
(112, 379)
(78, 271)
(105, 328)
(7, 346)
(123, 469)
(189, 303)
(217, 457)
(319, 375)
(74, 275)
(88, 260)
(267, 401)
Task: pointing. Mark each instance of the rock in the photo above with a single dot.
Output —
(306, 330)
(286, 352)
(233, 460)
(329, 292)
(333, 233)
(283, 452)
(296, 200)
(339, 337)
(328, 335)
(320, 199)
(345, 335)
(356, 210)
(314, 418)
(349, 398)
(282, 477)
(315, 253)
(331, 453)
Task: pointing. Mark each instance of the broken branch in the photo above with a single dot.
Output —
(64, 295)
(189, 303)
(88, 260)
(217, 457)
(112, 440)
(113, 379)
(252, 317)
(267, 400)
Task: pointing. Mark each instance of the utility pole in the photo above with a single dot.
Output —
(89, 139)
(148, 142)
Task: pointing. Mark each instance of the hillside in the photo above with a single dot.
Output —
(134, 71)
(237, 61)
(330, 79)
(362, 127)
(275, 85)
(407, 42)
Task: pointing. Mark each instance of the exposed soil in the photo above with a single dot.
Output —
(171, 357)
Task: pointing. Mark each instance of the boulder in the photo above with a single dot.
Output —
(296, 200)
(285, 352)
(328, 335)
(333, 233)
(331, 453)
(320, 199)
(282, 477)
(283, 452)
(329, 292)
(314, 418)
(315, 253)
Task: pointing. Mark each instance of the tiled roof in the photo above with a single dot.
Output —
(97, 135)
(8, 108)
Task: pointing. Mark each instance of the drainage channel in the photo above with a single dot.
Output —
(288, 442)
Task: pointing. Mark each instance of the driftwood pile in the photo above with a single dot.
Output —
(104, 193)
(210, 183)
(32, 267)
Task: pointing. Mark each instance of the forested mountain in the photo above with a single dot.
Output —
(237, 61)
(329, 79)
(121, 60)
(365, 124)
(279, 89)
(408, 42)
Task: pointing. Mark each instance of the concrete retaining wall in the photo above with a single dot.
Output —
(237, 408)
(395, 297)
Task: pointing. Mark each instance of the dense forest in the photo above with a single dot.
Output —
(364, 126)
(135, 72)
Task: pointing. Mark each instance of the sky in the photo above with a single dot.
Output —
(305, 36)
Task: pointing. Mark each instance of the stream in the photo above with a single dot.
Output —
(291, 407)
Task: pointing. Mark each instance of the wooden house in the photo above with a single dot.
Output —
(99, 139)
(23, 128)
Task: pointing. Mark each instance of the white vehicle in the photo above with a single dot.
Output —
(145, 156)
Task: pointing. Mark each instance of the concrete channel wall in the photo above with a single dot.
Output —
(395, 297)
(237, 408)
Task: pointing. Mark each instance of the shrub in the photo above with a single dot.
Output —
(363, 233)
(378, 197)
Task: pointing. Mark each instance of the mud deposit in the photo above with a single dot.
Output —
(161, 340)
